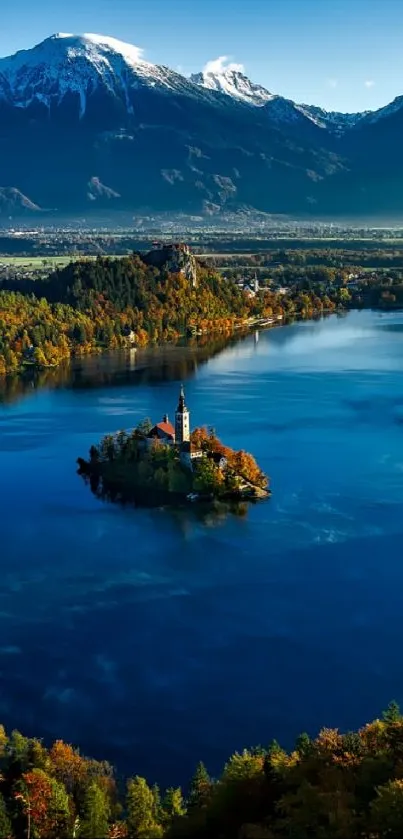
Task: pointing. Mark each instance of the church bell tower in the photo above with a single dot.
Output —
(182, 420)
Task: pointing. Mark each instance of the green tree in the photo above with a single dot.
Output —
(60, 809)
(392, 713)
(208, 476)
(173, 805)
(200, 787)
(303, 744)
(3, 740)
(5, 823)
(157, 806)
(39, 357)
(145, 426)
(387, 811)
(96, 813)
(140, 806)
(18, 748)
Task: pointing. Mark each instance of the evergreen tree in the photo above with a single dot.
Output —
(200, 787)
(96, 812)
(157, 806)
(59, 809)
(173, 804)
(5, 823)
(392, 713)
(303, 744)
(140, 804)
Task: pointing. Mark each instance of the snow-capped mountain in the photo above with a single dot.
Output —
(233, 83)
(86, 121)
(82, 65)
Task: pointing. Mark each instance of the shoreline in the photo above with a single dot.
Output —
(142, 496)
(146, 363)
(245, 327)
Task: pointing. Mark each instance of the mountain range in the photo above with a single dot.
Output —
(86, 122)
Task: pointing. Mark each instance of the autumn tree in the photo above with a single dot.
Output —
(45, 804)
(68, 765)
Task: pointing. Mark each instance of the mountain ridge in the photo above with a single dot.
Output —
(81, 112)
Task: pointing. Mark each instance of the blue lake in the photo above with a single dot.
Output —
(155, 638)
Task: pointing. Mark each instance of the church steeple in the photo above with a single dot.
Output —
(181, 404)
(182, 420)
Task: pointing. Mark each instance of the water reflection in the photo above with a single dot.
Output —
(208, 513)
(145, 366)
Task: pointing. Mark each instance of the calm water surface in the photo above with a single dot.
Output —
(154, 638)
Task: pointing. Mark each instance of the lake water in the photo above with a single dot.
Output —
(155, 638)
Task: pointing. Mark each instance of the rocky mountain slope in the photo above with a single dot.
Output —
(14, 203)
(86, 122)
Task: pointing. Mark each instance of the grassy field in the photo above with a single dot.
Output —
(37, 261)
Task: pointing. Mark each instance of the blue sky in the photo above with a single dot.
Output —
(340, 54)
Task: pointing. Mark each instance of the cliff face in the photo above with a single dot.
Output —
(177, 259)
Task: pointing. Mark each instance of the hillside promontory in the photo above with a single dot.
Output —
(130, 302)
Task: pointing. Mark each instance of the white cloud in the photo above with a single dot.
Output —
(369, 83)
(221, 64)
(129, 51)
(333, 82)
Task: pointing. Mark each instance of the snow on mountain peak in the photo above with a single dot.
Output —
(221, 65)
(66, 63)
(131, 54)
(226, 77)
(95, 48)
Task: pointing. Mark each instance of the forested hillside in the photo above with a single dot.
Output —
(99, 304)
(336, 786)
(112, 303)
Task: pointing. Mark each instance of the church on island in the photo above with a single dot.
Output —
(169, 461)
(178, 435)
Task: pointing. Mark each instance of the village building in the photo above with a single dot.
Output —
(189, 453)
(251, 288)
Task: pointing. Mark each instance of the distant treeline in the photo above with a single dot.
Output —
(336, 786)
(338, 258)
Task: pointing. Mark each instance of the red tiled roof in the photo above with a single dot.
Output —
(166, 428)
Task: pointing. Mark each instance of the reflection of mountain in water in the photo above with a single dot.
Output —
(145, 366)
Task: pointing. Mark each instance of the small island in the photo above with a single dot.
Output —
(165, 463)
